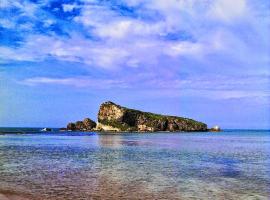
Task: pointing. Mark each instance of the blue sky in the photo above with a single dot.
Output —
(208, 60)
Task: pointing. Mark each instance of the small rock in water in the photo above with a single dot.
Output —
(71, 126)
(215, 129)
(86, 125)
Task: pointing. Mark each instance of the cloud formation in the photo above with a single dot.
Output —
(212, 49)
(120, 34)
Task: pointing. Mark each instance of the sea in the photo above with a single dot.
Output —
(233, 164)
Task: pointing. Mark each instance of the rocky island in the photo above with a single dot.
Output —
(113, 117)
(85, 125)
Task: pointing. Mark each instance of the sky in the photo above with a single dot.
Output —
(203, 59)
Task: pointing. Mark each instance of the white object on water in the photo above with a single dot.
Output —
(46, 129)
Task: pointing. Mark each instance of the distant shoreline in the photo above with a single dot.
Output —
(35, 130)
(98, 132)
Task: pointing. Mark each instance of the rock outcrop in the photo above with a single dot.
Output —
(113, 117)
(71, 126)
(85, 125)
(215, 129)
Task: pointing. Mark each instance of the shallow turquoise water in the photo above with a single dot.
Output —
(229, 165)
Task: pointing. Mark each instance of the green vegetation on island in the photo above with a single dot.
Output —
(113, 117)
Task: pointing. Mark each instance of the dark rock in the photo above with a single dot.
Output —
(89, 124)
(85, 125)
(80, 125)
(71, 126)
(113, 117)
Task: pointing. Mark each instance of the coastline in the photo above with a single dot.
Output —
(102, 132)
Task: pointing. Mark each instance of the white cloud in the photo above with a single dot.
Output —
(115, 30)
(7, 23)
(69, 7)
(6, 4)
(48, 22)
(126, 41)
(228, 10)
(185, 48)
(75, 82)
(211, 87)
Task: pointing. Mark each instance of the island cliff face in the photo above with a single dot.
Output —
(113, 117)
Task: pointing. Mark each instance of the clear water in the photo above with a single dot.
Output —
(229, 165)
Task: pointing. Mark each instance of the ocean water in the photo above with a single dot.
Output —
(233, 164)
